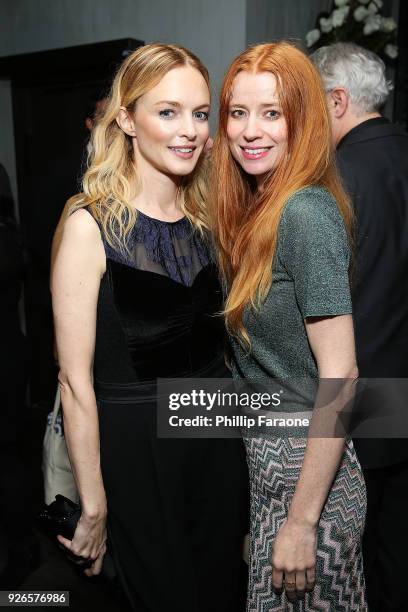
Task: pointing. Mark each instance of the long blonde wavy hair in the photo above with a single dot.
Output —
(245, 221)
(108, 184)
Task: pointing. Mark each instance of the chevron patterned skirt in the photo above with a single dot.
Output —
(274, 468)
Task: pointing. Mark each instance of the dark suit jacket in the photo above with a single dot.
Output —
(373, 162)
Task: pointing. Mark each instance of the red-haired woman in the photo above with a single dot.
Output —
(282, 223)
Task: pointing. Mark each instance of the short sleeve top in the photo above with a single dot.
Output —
(309, 278)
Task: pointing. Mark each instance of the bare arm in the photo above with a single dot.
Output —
(77, 270)
(332, 343)
(56, 242)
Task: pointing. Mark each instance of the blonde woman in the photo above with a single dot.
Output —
(134, 290)
(282, 223)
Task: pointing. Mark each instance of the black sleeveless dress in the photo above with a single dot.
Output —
(177, 508)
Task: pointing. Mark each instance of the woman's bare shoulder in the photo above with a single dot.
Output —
(82, 225)
(81, 241)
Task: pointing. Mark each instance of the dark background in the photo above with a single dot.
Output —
(51, 93)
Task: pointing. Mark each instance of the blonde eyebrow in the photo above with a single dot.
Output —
(178, 105)
(169, 102)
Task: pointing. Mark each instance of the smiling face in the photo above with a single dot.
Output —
(170, 123)
(256, 128)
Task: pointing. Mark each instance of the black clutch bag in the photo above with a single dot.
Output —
(61, 518)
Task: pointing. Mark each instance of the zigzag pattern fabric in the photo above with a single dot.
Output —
(274, 468)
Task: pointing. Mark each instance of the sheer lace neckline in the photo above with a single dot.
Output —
(142, 214)
(168, 248)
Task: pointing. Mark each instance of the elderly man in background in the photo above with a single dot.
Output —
(373, 161)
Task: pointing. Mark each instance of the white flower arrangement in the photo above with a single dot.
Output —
(388, 24)
(312, 37)
(391, 51)
(372, 24)
(360, 13)
(326, 25)
(372, 8)
(339, 16)
(358, 21)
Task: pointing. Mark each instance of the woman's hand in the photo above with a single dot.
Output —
(88, 543)
(294, 558)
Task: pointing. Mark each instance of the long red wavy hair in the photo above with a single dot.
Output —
(244, 220)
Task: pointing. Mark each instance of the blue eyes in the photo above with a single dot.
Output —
(166, 113)
(169, 113)
(201, 115)
(239, 113)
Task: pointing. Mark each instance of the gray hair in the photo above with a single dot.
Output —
(359, 71)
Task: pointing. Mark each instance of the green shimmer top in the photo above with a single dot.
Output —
(309, 278)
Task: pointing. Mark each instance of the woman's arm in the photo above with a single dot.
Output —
(55, 245)
(77, 270)
(332, 343)
(59, 230)
(294, 555)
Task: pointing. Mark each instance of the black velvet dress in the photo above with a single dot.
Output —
(177, 508)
